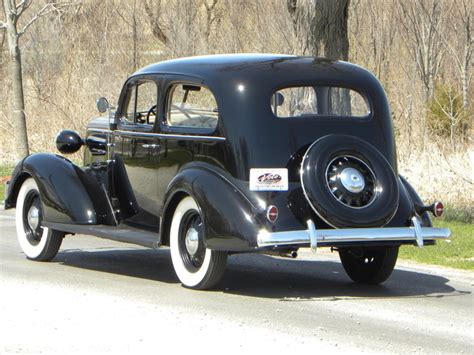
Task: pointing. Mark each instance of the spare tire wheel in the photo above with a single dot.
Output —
(349, 183)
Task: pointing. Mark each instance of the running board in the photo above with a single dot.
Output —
(122, 233)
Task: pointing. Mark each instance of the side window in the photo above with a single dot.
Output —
(132, 99)
(192, 106)
(142, 99)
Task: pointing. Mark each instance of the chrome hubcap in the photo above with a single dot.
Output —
(33, 217)
(352, 180)
(192, 241)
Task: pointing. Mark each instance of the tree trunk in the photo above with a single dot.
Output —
(465, 77)
(17, 110)
(321, 27)
(135, 36)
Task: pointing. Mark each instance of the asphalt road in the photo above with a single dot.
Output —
(102, 296)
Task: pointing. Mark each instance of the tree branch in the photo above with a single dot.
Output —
(122, 17)
(2, 25)
(22, 6)
(45, 10)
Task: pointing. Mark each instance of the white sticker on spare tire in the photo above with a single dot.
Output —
(269, 179)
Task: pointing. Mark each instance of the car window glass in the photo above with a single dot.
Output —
(130, 112)
(142, 99)
(146, 102)
(192, 106)
(319, 101)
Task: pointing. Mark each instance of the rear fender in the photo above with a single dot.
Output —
(415, 199)
(69, 195)
(231, 220)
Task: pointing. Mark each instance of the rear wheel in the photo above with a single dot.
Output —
(37, 242)
(369, 265)
(195, 265)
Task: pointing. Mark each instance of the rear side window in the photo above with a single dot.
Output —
(319, 101)
(192, 106)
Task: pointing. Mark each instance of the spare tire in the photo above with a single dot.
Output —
(349, 183)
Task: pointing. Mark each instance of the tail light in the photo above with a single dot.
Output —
(437, 209)
(272, 213)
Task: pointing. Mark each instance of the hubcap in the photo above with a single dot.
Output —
(352, 180)
(33, 217)
(192, 241)
(191, 245)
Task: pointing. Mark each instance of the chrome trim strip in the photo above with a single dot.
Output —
(328, 236)
(158, 135)
(100, 130)
(168, 136)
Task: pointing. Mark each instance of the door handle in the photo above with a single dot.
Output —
(151, 146)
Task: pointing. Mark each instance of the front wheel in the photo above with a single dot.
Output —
(37, 242)
(369, 265)
(196, 266)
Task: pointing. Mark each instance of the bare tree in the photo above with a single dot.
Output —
(211, 15)
(321, 27)
(13, 12)
(154, 9)
(133, 23)
(373, 32)
(421, 22)
(462, 55)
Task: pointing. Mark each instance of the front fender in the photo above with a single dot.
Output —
(68, 194)
(231, 220)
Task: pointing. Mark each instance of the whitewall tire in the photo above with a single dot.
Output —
(37, 242)
(195, 265)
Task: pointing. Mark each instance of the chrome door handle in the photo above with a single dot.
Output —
(151, 146)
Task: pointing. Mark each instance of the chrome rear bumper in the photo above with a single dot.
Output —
(326, 237)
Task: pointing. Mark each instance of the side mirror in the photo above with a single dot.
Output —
(68, 142)
(102, 105)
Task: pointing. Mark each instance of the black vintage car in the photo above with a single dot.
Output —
(232, 154)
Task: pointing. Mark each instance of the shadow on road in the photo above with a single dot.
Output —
(263, 276)
(300, 280)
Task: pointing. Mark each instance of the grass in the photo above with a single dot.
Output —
(457, 252)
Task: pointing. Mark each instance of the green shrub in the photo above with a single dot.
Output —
(446, 115)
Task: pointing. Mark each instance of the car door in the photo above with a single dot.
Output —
(188, 123)
(137, 148)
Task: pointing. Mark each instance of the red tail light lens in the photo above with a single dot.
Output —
(272, 213)
(438, 209)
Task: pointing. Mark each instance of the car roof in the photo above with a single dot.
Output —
(216, 62)
(254, 66)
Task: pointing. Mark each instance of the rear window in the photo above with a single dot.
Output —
(319, 101)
